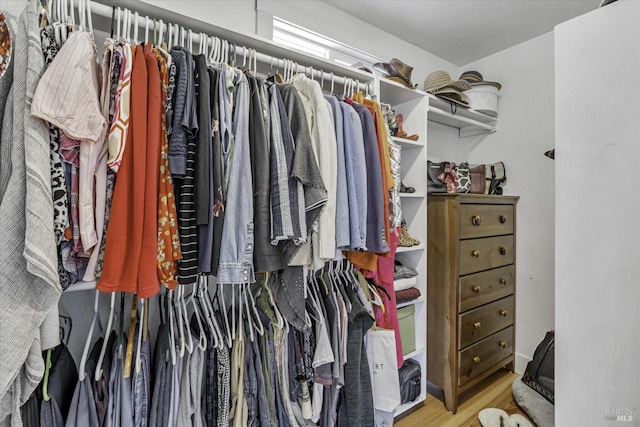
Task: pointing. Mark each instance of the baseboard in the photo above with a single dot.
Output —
(521, 363)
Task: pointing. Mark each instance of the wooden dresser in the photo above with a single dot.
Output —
(471, 275)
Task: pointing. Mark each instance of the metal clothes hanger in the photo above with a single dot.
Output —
(171, 314)
(103, 350)
(188, 340)
(225, 317)
(87, 343)
(141, 333)
(202, 338)
(333, 81)
(201, 299)
(146, 30)
(135, 28)
(130, 337)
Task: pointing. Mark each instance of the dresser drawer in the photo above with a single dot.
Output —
(486, 253)
(481, 322)
(485, 220)
(480, 288)
(477, 358)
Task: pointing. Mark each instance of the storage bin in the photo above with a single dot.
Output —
(483, 98)
(406, 319)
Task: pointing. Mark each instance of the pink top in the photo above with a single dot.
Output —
(68, 96)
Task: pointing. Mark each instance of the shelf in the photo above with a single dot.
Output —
(81, 286)
(406, 406)
(402, 249)
(470, 122)
(413, 195)
(395, 93)
(408, 143)
(418, 300)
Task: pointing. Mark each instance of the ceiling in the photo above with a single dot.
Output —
(462, 31)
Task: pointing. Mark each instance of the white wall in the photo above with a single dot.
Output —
(237, 15)
(525, 132)
(598, 216)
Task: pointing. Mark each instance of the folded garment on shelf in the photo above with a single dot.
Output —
(407, 283)
(403, 272)
(407, 295)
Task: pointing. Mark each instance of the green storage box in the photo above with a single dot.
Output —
(406, 319)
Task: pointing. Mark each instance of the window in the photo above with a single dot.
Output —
(303, 40)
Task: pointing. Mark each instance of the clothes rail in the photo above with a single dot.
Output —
(241, 51)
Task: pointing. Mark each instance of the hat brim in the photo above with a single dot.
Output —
(403, 81)
(453, 97)
(496, 84)
(459, 85)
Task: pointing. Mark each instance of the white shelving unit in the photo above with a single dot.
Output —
(469, 122)
(418, 109)
(413, 105)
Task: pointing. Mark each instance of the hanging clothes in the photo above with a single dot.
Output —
(61, 379)
(305, 167)
(169, 252)
(343, 228)
(356, 174)
(218, 92)
(82, 411)
(132, 241)
(182, 150)
(27, 238)
(323, 141)
(236, 260)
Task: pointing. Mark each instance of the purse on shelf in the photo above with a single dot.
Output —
(463, 178)
(478, 180)
(434, 170)
(496, 177)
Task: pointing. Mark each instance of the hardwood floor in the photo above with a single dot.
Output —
(493, 392)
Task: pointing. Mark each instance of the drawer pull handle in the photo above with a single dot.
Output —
(503, 344)
(503, 250)
(476, 254)
(503, 219)
(476, 289)
(503, 313)
(476, 220)
(476, 359)
(503, 281)
(477, 325)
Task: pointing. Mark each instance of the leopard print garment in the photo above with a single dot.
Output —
(59, 189)
(50, 49)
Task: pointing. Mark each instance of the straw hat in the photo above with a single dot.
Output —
(475, 79)
(439, 80)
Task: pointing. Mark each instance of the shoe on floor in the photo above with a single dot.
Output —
(493, 417)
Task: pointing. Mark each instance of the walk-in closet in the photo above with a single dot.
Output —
(318, 213)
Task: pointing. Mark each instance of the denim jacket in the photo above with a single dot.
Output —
(236, 254)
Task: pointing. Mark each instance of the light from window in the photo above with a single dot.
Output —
(310, 42)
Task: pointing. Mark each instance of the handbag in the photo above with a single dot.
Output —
(463, 178)
(383, 364)
(496, 177)
(434, 185)
(478, 180)
(540, 374)
(410, 381)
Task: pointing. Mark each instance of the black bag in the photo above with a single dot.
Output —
(410, 382)
(434, 185)
(539, 374)
(496, 175)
